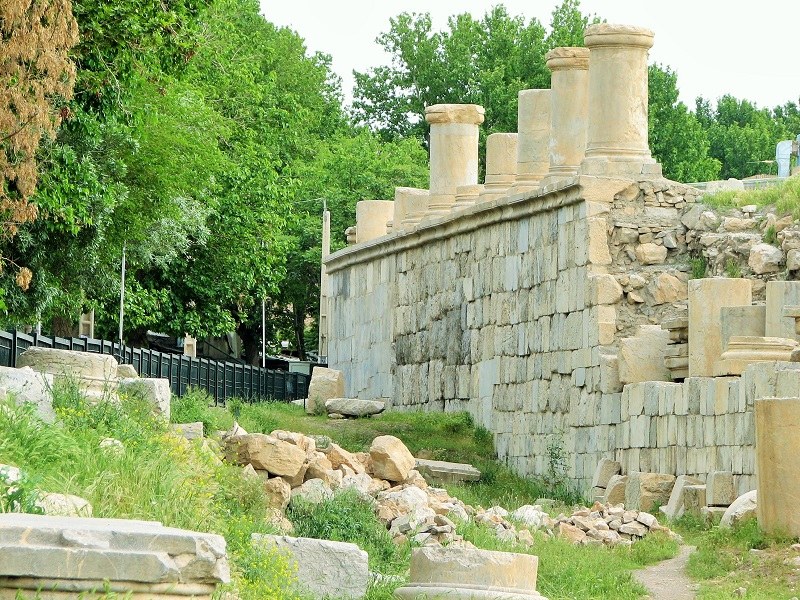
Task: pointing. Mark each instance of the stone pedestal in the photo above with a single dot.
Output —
(533, 140)
(95, 374)
(371, 219)
(617, 139)
(470, 574)
(66, 557)
(501, 165)
(410, 205)
(453, 152)
(189, 346)
(86, 325)
(777, 464)
(744, 350)
(467, 195)
(742, 320)
(569, 111)
(706, 299)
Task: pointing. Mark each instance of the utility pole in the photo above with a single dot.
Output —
(122, 299)
(324, 325)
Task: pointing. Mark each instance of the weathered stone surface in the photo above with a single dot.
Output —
(765, 258)
(605, 470)
(742, 509)
(318, 466)
(64, 505)
(95, 373)
(353, 407)
(27, 386)
(606, 289)
(338, 456)
(651, 254)
(777, 423)
(676, 505)
(156, 392)
(324, 568)
(313, 491)
(278, 492)
(112, 446)
(719, 488)
(190, 431)
(615, 491)
(532, 515)
(641, 358)
(459, 573)
(439, 471)
(79, 554)
(391, 460)
(666, 288)
(694, 499)
(325, 384)
(645, 491)
(126, 371)
(267, 453)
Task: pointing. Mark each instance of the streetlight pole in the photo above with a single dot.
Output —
(122, 298)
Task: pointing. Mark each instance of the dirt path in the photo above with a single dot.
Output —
(667, 580)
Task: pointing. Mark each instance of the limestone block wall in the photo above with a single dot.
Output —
(702, 425)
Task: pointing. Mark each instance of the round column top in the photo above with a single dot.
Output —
(607, 34)
(562, 59)
(403, 193)
(472, 114)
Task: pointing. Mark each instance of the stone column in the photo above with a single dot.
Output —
(410, 206)
(533, 140)
(777, 464)
(467, 195)
(371, 219)
(706, 299)
(569, 111)
(617, 142)
(454, 152)
(501, 165)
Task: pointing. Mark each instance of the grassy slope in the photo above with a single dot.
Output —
(785, 197)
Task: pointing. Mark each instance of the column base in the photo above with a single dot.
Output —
(439, 205)
(435, 592)
(615, 166)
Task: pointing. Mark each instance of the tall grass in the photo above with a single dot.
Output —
(785, 197)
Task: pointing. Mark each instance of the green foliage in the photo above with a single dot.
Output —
(196, 405)
(17, 494)
(785, 197)
(346, 517)
(732, 268)
(770, 235)
(677, 138)
(698, 267)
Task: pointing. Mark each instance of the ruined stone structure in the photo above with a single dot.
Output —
(562, 310)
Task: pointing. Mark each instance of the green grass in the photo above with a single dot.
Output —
(728, 559)
(785, 197)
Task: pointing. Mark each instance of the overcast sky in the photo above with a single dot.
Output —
(748, 49)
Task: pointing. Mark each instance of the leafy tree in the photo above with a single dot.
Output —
(677, 138)
(37, 79)
(484, 62)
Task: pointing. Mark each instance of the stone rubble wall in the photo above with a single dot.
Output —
(517, 309)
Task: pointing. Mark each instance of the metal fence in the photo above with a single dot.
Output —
(221, 379)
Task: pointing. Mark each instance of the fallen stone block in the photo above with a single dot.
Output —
(325, 384)
(72, 557)
(468, 573)
(742, 509)
(27, 386)
(156, 392)
(266, 453)
(126, 371)
(391, 460)
(719, 489)
(645, 491)
(313, 491)
(694, 499)
(353, 407)
(438, 471)
(675, 506)
(615, 492)
(324, 568)
(63, 505)
(189, 431)
(605, 470)
(641, 358)
(95, 374)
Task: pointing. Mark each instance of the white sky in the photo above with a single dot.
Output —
(748, 49)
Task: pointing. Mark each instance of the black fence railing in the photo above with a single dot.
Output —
(221, 379)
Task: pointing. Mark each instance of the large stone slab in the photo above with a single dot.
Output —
(96, 374)
(27, 386)
(439, 471)
(324, 568)
(641, 358)
(779, 295)
(353, 407)
(266, 453)
(675, 507)
(469, 573)
(156, 392)
(719, 488)
(325, 384)
(742, 509)
(69, 556)
(604, 471)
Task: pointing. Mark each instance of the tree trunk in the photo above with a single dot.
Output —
(251, 340)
